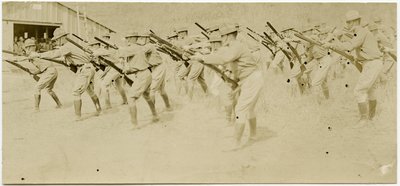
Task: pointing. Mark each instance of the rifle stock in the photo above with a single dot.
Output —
(342, 53)
(112, 65)
(73, 68)
(179, 52)
(35, 77)
(106, 43)
(289, 45)
(98, 66)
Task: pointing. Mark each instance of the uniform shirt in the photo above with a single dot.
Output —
(153, 57)
(135, 57)
(364, 43)
(236, 53)
(41, 64)
(72, 54)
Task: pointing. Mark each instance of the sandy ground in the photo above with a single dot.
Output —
(299, 141)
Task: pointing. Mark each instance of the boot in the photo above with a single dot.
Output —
(372, 108)
(253, 128)
(133, 114)
(363, 108)
(123, 96)
(166, 102)
(326, 93)
(55, 98)
(78, 107)
(107, 100)
(153, 110)
(37, 102)
(96, 103)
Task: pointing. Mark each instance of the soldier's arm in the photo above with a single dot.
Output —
(355, 42)
(224, 55)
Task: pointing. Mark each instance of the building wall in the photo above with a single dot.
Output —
(51, 12)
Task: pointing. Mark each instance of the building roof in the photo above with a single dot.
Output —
(62, 4)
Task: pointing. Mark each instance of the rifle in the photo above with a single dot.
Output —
(302, 67)
(79, 38)
(263, 43)
(283, 51)
(35, 77)
(169, 47)
(179, 52)
(106, 43)
(342, 53)
(202, 28)
(111, 64)
(98, 66)
(73, 68)
(205, 35)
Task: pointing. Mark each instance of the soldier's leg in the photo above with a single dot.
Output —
(146, 96)
(372, 102)
(52, 93)
(133, 111)
(202, 82)
(95, 99)
(367, 79)
(164, 96)
(83, 78)
(119, 86)
(105, 88)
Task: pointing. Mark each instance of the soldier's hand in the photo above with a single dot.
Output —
(197, 57)
(33, 55)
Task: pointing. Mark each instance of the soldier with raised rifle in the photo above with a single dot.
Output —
(368, 54)
(84, 80)
(246, 71)
(136, 67)
(48, 74)
(109, 76)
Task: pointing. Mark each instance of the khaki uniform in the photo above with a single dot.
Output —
(367, 51)
(136, 61)
(244, 69)
(84, 76)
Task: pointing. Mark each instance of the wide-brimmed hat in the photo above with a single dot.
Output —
(227, 29)
(29, 42)
(58, 32)
(352, 15)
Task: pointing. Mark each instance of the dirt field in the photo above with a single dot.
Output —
(299, 141)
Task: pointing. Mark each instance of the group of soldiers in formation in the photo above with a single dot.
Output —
(303, 56)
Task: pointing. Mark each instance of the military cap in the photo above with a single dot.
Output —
(377, 19)
(213, 28)
(144, 34)
(93, 42)
(227, 29)
(287, 29)
(58, 32)
(132, 34)
(215, 38)
(352, 15)
(372, 26)
(172, 36)
(29, 42)
(181, 29)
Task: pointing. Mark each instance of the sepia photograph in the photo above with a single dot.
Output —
(199, 92)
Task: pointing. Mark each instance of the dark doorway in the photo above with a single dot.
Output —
(42, 35)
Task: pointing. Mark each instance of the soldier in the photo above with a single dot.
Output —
(246, 71)
(109, 76)
(137, 69)
(84, 76)
(385, 30)
(158, 72)
(227, 95)
(368, 54)
(48, 75)
(182, 68)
